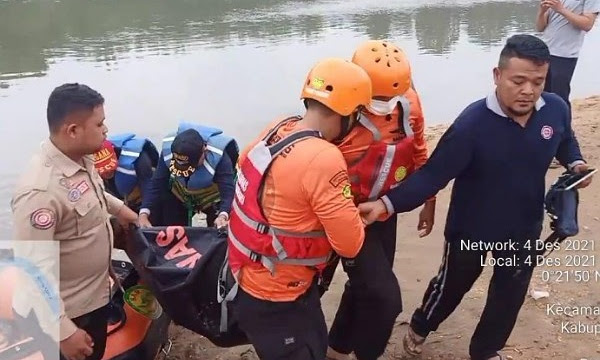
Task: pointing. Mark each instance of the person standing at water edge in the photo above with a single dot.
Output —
(61, 197)
(390, 128)
(498, 151)
(564, 24)
(292, 207)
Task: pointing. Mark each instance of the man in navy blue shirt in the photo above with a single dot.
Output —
(195, 173)
(498, 151)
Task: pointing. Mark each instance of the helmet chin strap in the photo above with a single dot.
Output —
(347, 124)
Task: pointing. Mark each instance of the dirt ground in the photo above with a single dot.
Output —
(539, 333)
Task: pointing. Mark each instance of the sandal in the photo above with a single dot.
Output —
(413, 343)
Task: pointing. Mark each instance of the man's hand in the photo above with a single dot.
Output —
(144, 221)
(555, 5)
(426, 218)
(77, 346)
(221, 221)
(371, 211)
(544, 6)
(580, 168)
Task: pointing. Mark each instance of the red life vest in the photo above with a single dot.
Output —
(383, 165)
(251, 240)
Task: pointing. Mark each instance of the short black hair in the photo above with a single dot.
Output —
(68, 98)
(524, 46)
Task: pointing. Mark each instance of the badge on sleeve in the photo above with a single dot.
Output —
(42, 219)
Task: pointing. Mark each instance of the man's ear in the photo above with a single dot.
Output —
(71, 129)
(496, 74)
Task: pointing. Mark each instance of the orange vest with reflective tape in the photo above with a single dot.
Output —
(252, 241)
(383, 164)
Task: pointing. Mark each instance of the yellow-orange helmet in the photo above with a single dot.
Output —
(387, 66)
(338, 84)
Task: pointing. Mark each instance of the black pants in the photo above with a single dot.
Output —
(173, 212)
(371, 301)
(506, 292)
(558, 79)
(94, 323)
(294, 330)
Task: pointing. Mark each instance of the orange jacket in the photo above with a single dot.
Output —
(306, 189)
(359, 139)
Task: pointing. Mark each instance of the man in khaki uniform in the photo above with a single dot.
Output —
(61, 197)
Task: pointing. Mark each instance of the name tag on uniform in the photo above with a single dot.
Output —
(76, 192)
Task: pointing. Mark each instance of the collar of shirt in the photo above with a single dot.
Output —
(493, 104)
(68, 166)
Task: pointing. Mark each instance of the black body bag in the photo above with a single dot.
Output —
(183, 267)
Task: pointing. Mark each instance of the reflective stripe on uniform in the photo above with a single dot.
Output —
(385, 168)
(126, 171)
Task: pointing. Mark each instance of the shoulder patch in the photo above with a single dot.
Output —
(347, 192)
(339, 178)
(42, 219)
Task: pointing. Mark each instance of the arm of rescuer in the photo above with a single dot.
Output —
(224, 179)
(417, 123)
(328, 189)
(144, 171)
(420, 156)
(35, 215)
(450, 157)
(159, 183)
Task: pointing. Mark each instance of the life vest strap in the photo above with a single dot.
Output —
(269, 261)
(265, 228)
(223, 298)
(386, 166)
(364, 121)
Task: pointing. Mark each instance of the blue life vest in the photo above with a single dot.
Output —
(199, 190)
(130, 147)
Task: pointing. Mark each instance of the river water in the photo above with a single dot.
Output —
(235, 64)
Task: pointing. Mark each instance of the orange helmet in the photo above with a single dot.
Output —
(386, 64)
(338, 84)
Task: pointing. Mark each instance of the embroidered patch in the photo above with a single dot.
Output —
(347, 192)
(82, 187)
(74, 195)
(339, 178)
(42, 219)
(547, 132)
(400, 173)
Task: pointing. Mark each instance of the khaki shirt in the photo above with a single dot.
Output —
(58, 199)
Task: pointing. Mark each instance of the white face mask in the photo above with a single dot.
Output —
(382, 108)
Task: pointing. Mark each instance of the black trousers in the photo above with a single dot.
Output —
(371, 301)
(558, 79)
(506, 292)
(173, 212)
(94, 323)
(294, 330)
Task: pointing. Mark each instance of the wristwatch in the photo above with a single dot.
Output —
(224, 214)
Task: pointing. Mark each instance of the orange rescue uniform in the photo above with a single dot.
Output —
(306, 189)
(356, 144)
